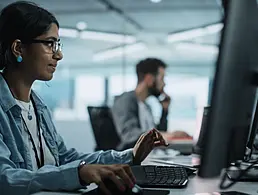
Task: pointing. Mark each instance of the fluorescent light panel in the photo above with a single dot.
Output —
(98, 36)
(101, 36)
(68, 32)
(207, 49)
(118, 51)
(155, 1)
(198, 32)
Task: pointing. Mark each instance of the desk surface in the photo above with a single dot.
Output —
(195, 185)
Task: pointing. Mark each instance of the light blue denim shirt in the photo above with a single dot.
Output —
(16, 175)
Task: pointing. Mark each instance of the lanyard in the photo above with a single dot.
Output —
(39, 163)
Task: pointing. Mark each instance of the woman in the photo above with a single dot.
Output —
(33, 157)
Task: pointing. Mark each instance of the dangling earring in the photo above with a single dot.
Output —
(19, 59)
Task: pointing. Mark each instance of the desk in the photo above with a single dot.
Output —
(195, 185)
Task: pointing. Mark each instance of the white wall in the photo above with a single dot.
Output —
(76, 134)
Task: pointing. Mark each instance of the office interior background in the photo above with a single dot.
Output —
(104, 39)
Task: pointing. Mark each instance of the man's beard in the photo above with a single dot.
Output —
(153, 90)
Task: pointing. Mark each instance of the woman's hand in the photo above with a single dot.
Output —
(96, 173)
(146, 143)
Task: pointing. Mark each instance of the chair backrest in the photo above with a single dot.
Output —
(103, 127)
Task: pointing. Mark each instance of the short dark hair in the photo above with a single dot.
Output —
(148, 66)
(22, 20)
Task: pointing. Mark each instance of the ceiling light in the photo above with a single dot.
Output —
(201, 48)
(194, 33)
(155, 1)
(110, 37)
(118, 51)
(81, 25)
(68, 32)
(98, 36)
(211, 29)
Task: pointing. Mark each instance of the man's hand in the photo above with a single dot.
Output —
(176, 135)
(180, 134)
(97, 173)
(165, 102)
(146, 143)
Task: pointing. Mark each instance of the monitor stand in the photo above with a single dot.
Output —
(250, 176)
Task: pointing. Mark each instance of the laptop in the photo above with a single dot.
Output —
(198, 147)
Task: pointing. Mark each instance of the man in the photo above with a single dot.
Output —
(132, 115)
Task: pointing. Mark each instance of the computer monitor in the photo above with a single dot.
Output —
(233, 94)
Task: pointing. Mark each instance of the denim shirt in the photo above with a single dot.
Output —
(16, 175)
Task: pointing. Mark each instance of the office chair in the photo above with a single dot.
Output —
(103, 127)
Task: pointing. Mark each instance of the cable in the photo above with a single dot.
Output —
(255, 147)
(242, 173)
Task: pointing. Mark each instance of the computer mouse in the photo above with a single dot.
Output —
(136, 190)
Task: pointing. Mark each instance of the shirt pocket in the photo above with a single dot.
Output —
(48, 130)
(16, 158)
(52, 145)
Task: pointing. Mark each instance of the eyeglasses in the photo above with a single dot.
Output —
(55, 45)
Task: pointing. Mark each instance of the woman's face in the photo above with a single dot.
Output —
(40, 58)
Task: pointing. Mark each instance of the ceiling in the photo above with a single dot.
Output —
(148, 23)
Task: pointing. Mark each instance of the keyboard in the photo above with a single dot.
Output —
(160, 176)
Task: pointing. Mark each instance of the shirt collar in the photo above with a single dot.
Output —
(7, 100)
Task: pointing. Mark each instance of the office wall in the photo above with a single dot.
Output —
(76, 134)
(110, 45)
(188, 93)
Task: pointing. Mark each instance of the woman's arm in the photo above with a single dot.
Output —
(18, 181)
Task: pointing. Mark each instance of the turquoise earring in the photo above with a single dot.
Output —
(19, 59)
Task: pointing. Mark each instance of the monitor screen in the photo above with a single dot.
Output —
(233, 94)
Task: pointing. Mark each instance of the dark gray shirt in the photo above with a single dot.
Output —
(128, 120)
